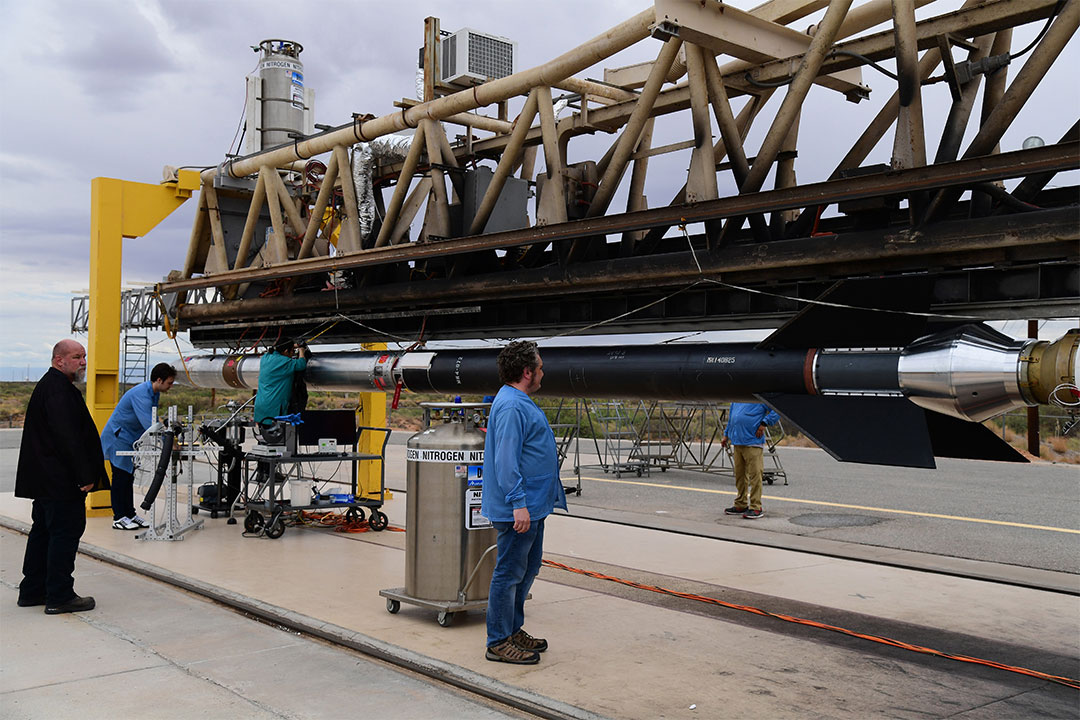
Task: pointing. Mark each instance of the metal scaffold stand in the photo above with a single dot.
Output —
(170, 450)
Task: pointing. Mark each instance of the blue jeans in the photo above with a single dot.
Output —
(517, 563)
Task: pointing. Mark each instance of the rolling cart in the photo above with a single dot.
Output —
(267, 469)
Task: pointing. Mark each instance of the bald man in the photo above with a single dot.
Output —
(60, 460)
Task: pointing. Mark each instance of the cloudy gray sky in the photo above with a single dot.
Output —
(120, 88)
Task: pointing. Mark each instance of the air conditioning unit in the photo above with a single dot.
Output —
(470, 57)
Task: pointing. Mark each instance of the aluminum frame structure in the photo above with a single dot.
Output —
(584, 263)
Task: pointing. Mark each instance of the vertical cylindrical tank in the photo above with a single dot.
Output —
(445, 536)
(282, 95)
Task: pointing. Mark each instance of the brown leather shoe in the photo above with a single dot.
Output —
(525, 641)
(508, 652)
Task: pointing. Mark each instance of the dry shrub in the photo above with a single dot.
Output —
(796, 440)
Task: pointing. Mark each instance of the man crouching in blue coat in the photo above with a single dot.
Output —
(521, 488)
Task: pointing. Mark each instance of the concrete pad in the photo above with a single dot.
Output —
(615, 656)
(163, 692)
(151, 650)
(948, 603)
(34, 642)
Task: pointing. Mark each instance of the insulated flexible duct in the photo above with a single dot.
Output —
(167, 441)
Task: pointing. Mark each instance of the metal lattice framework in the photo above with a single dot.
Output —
(265, 223)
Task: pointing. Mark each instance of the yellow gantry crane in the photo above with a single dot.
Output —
(126, 209)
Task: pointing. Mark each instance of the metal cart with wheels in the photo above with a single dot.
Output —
(267, 470)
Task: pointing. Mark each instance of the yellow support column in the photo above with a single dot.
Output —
(371, 413)
(118, 209)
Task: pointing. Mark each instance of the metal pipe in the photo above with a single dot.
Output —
(725, 120)
(907, 51)
(481, 122)
(217, 235)
(585, 55)
(701, 179)
(440, 207)
(800, 85)
(349, 238)
(287, 204)
(412, 160)
(249, 224)
(996, 84)
(506, 164)
(788, 111)
(635, 197)
(586, 87)
(196, 234)
(960, 110)
(551, 205)
(279, 251)
(412, 206)
(632, 131)
(317, 212)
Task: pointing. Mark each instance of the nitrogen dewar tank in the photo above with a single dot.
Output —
(446, 536)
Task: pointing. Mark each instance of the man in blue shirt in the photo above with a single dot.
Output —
(521, 488)
(746, 432)
(276, 371)
(130, 419)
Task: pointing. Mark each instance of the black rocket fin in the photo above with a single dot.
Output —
(860, 321)
(888, 430)
(955, 438)
(872, 430)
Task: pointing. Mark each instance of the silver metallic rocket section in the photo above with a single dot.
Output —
(340, 372)
(972, 372)
(221, 371)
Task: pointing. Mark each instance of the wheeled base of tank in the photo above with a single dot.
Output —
(447, 610)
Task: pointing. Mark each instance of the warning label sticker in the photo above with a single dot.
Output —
(473, 519)
(458, 457)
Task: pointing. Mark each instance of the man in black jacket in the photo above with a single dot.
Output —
(60, 460)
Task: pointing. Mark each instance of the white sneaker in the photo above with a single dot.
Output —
(140, 522)
(124, 524)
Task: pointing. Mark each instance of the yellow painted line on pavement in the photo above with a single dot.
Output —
(841, 505)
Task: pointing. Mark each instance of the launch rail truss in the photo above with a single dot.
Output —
(737, 240)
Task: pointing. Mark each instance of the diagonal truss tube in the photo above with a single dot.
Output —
(792, 103)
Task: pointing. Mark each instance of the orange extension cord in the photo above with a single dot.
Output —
(338, 521)
(1067, 682)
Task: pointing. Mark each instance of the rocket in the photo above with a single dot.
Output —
(877, 385)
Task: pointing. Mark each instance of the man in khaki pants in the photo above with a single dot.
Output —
(746, 432)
